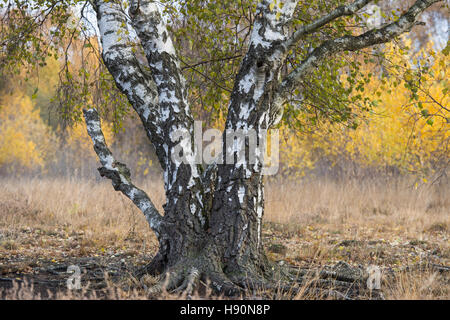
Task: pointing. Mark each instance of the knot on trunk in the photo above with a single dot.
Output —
(134, 8)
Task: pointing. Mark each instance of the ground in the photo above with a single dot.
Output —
(47, 225)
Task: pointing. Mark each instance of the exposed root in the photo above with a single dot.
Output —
(185, 278)
(341, 281)
(168, 283)
(222, 285)
(341, 272)
(190, 283)
(303, 287)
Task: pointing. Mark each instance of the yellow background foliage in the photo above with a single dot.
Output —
(25, 141)
(396, 133)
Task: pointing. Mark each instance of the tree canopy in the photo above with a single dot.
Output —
(211, 38)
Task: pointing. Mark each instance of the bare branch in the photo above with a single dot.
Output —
(188, 66)
(118, 173)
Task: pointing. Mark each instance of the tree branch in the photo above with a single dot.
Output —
(341, 11)
(261, 65)
(353, 43)
(271, 18)
(118, 173)
(188, 66)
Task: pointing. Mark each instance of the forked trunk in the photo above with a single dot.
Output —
(211, 227)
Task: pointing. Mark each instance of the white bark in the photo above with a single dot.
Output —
(129, 75)
(165, 67)
(226, 203)
(119, 173)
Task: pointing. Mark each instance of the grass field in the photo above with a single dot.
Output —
(47, 224)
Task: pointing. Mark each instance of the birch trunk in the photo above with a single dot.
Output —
(212, 222)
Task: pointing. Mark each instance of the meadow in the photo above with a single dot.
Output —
(47, 224)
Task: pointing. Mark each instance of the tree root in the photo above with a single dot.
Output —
(342, 282)
(155, 267)
(185, 278)
(169, 282)
(190, 283)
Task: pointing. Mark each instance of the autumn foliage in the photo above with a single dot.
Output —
(407, 131)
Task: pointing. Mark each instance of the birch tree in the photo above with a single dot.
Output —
(211, 224)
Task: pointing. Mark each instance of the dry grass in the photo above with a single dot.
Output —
(382, 206)
(45, 222)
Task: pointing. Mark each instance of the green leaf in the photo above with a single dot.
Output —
(425, 112)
